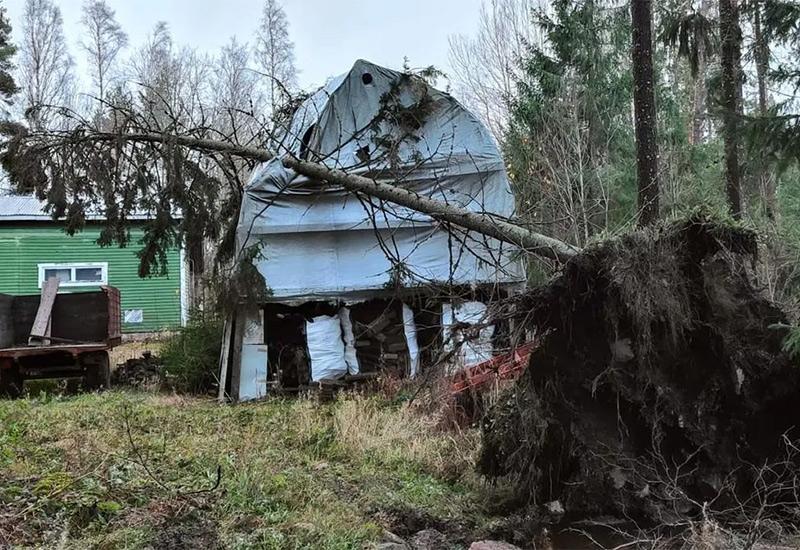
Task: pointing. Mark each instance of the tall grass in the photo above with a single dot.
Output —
(191, 355)
(366, 425)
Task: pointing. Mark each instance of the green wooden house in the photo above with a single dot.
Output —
(33, 248)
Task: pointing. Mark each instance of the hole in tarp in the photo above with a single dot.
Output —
(366, 78)
(305, 142)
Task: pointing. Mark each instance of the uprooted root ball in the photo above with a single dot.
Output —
(660, 384)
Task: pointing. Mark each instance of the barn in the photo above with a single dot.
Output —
(354, 285)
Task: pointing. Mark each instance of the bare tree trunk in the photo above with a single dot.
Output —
(761, 54)
(484, 223)
(700, 92)
(45, 66)
(645, 111)
(731, 34)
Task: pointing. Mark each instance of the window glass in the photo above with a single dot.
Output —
(63, 275)
(88, 274)
(77, 274)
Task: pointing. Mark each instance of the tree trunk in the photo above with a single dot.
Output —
(731, 35)
(700, 92)
(761, 55)
(486, 224)
(644, 111)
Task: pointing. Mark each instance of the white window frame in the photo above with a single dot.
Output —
(73, 266)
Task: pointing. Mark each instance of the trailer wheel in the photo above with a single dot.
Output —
(11, 382)
(96, 371)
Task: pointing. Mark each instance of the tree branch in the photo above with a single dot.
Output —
(484, 223)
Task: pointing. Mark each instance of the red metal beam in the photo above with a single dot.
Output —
(501, 367)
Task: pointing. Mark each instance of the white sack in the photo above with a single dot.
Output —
(471, 351)
(410, 330)
(350, 357)
(326, 348)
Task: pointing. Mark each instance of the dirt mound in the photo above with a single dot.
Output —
(660, 388)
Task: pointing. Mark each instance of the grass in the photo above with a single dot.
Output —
(135, 470)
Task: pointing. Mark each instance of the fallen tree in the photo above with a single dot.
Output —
(660, 384)
(31, 146)
(660, 389)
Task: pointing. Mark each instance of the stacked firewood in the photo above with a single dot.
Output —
(380, 340)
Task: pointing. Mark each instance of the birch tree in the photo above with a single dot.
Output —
(102, 42)
(45, 65)
(487, 66)
(275, 53)
(172, 82)
(153, 68)
(238, 96)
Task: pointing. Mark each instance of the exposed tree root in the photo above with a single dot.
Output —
(660, 389)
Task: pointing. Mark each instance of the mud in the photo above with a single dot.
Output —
(189, 530)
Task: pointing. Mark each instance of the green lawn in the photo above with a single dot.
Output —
(135, 470)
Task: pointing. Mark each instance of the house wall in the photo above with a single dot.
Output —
(23, 246)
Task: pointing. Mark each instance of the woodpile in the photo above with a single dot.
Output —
(145, 372)
(380, 339)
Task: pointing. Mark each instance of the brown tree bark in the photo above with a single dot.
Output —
(731, 35)
(486, 224)
(644, 111)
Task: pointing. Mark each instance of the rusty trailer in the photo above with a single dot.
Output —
(80, 329)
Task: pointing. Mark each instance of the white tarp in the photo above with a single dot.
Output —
(325, 348)
(318, 241)
(472, 350)
(410, 330)
(350, 357)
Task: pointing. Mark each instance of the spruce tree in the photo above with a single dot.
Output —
(7, 50)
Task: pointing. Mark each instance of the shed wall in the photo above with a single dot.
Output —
(24, 246)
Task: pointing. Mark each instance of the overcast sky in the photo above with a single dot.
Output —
(329, 35)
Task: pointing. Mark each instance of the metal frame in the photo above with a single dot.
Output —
(72, 349)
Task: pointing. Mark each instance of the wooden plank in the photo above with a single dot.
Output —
(223, 360)
(236, 361)
(41, 324)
